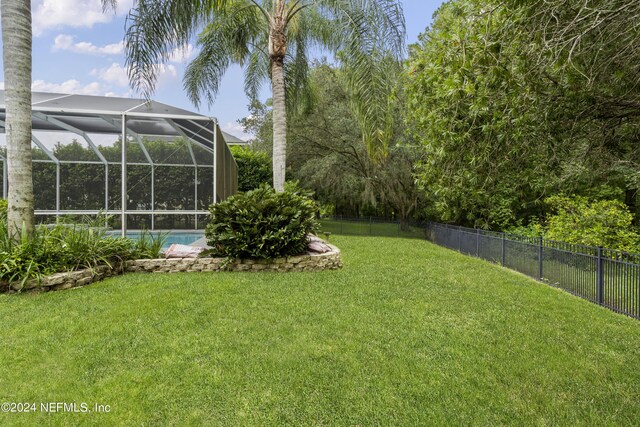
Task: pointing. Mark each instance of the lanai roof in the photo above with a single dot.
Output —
(103, 115)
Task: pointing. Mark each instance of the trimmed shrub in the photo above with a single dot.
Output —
(295, 188)
(254, 168)
(261, 224)
(533, 229)
(66, 247)
(606, 223)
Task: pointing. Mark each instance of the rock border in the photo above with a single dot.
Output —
(75, 279)
(67, 279)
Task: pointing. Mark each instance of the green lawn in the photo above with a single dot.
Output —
(407, 333)
(369, 228)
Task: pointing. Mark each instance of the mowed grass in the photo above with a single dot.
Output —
(406, 334)
(366, 227)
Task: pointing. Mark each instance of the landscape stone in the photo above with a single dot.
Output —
(307, 262)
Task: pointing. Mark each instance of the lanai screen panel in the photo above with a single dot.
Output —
(171, 169)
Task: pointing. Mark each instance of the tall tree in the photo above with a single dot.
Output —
(16, 54)
(327, 154)
(513, 101)
(271, 40)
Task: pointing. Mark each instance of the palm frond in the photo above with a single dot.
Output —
(232, 36)
(371, 92)
(367, 35)
(299, 93)
(256, 72)
(155, 28)
(369, 38)
(108, 5)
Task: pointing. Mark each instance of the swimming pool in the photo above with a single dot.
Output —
(171, 237)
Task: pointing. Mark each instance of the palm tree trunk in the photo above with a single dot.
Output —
(279, 126)
(16, 54)
(277, 52)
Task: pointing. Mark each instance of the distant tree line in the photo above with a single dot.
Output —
(328, 154)
(516, 101)
(508, 115)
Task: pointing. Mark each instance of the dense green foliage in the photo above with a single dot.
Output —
(387, 340)
(261, 223)
(505, 104)
(585, 221)
(328, 155)
(67, 247)
(254, 167)
(61, 248)
(508, 114)
(606, 223)
(271, 41)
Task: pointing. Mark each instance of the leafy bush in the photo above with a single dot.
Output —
(254, 168)
(6, 243)
(294, 187)
(62, 248)
(261, 224)
(67, 247)
(533, 229)
(606, 223)
(149, 246)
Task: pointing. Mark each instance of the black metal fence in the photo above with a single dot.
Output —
(371, 226)
(606, 277)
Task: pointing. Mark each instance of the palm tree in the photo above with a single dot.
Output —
(16, 54)
(271, 39)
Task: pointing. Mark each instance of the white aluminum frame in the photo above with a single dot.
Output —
(119, 119)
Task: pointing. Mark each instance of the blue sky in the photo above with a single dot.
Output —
(78, 49)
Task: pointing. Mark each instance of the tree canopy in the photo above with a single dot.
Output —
(271, 40)
(515, 101)
(328, 155)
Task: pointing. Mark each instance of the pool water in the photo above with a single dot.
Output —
(171, 237)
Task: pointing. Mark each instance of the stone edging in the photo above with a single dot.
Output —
(75, 279)
(307, 262)
(68, 279)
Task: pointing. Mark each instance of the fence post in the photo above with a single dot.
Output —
(504, 249)
(600, 277)
(445, 238)
(341, 225)
(477, 243)
(540, 258)
(369, 225)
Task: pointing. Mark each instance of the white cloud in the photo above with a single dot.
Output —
(126, 94)
(117, 74)
(183, 54)
(1, 85)
(48, 14)
(75, 87)
(166, 72)
(66, 42)
(233, 128)
(236, 129)
(69, 86)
